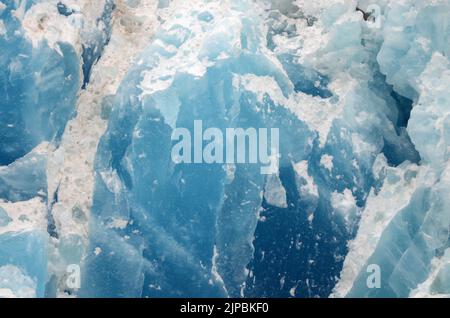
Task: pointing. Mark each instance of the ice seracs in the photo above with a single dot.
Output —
(91, 92)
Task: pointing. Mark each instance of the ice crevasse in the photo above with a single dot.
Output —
(90, 96)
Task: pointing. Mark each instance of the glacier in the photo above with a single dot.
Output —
(91, 92)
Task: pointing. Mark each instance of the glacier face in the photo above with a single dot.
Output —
(91, 93)
(41, 83)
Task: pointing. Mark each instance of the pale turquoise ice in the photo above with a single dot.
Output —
(163, 229)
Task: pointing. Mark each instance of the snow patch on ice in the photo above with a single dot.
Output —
(301, 169)
(326, 161)
(274, 193)
(15, 284)
(345, 205)
(25, 216)
(43, 22)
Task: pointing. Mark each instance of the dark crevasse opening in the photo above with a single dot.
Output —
(404, 106)
(63, 9)
(405, 151)
(51, 226)
(397, 155)
(93, 49)
(398, 148)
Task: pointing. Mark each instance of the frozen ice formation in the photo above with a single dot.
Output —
(91, 92)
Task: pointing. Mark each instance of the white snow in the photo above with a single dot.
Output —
(274, 193)
(43, 22)
(301, 169)
(345, 205)
(316, 112)
(117, 224)
(26, 216)
(327, 162)
(214, 269)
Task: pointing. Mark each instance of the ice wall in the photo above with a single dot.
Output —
(404, 228)
(91, 91)
(170, 231)
(155, 233)
(39, 87)
(40, 77)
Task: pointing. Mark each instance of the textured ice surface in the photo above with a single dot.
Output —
(173, 228)
(91, 91)
(41, 75)
(38, 88)
(405, 226)
(23, 263)
(14, 284)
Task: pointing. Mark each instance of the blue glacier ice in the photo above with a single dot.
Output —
(38, 94)
(24, 179)
(28, 253)
(412, 246)
(185, 244)
(362, 104)
(40, 79)
(38, 89)
(170, 228)
(96, 40)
